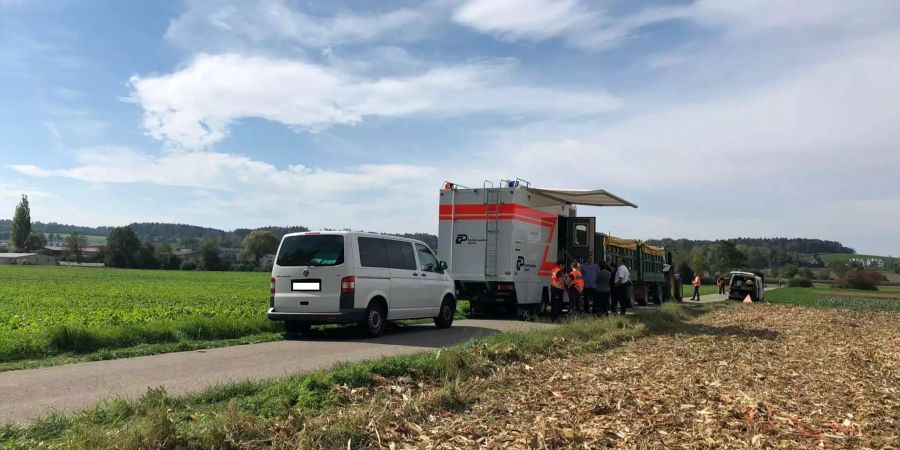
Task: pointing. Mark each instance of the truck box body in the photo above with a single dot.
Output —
(500, 235)
(501, 243)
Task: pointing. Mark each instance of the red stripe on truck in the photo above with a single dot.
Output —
(506, 211)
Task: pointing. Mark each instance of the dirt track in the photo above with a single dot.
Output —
(27, 394)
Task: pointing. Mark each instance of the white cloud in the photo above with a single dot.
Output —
(368, 196)
(593, 28)
(237, 24)
(825, 119)
(578, 24)
(14, 192)
(194, 107)
(524, 19)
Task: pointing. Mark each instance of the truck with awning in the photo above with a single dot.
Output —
(502, 242)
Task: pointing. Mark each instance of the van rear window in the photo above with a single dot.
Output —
(311, 250)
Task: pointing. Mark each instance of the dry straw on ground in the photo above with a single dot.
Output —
(756, 376)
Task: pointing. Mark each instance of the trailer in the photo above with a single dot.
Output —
(501, 243)
(651, 266)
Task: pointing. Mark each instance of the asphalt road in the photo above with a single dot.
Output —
(28, 394)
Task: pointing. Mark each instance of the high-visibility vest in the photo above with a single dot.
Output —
(578, 282)
(697, 281)
(555, 281)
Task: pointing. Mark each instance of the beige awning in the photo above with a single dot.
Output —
(596, 197)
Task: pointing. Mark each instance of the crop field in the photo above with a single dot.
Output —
(886, 298)
(51, 311)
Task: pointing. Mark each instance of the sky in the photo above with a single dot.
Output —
(719, 118)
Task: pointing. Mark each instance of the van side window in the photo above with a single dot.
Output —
(426, 259)
(400, 255)
(372, 252)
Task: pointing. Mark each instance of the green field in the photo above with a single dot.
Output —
(886, 298)
(687, 290)
(91, 239)
(55, 311)
(57, 315)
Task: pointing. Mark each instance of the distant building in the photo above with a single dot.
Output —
(267, 261)
(36, 259)
(874, 263)
(224, 252)
(185, 253)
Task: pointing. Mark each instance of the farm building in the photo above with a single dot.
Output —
(27, 258)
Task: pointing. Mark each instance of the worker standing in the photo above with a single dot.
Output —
(622, 283)
(604, 277)
(697, 282)
(589, 272)
(576, 288)
(720, 282)
(557, 288)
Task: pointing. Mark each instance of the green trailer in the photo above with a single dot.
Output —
(652, 275)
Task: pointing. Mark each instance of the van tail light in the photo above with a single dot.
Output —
(506, 287)
(348, 285)
(272, 287)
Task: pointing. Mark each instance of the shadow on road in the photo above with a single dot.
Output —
(420, 335)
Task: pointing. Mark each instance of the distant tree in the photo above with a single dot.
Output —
(189, 264)
(863, 279)
(74, 245)
(145, 257)
(257, 244)
(685, 270)
(727, 257)
(187, 242)
(699, 259)
(122, 245)
(21, 225)
(840, 268)
(805, 272)
(789, 271)
(36, 241)
(168, 260)
(210, 259)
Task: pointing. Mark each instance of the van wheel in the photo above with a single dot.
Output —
(295, 327)
(445, 315)
(373, 323)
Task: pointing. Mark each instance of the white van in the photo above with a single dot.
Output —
(346, 277)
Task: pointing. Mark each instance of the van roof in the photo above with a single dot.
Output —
(356, 233)
(742, 273)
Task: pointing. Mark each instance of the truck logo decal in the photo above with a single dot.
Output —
(521, 264)
(460, 238)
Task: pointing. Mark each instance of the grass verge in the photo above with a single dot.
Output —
(305, 408)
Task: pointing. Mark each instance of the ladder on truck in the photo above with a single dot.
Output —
(492, 230)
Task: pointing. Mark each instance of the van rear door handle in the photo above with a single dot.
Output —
(423, 275)
(415, 274)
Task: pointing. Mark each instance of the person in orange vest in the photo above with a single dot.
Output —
(697, 283)
(720, 282)
(576, 288)
(557, 288)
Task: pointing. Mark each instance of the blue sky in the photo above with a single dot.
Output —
(720, 118)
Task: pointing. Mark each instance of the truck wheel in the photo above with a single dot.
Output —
(445, 315)
(373, 323)
(296, 327)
